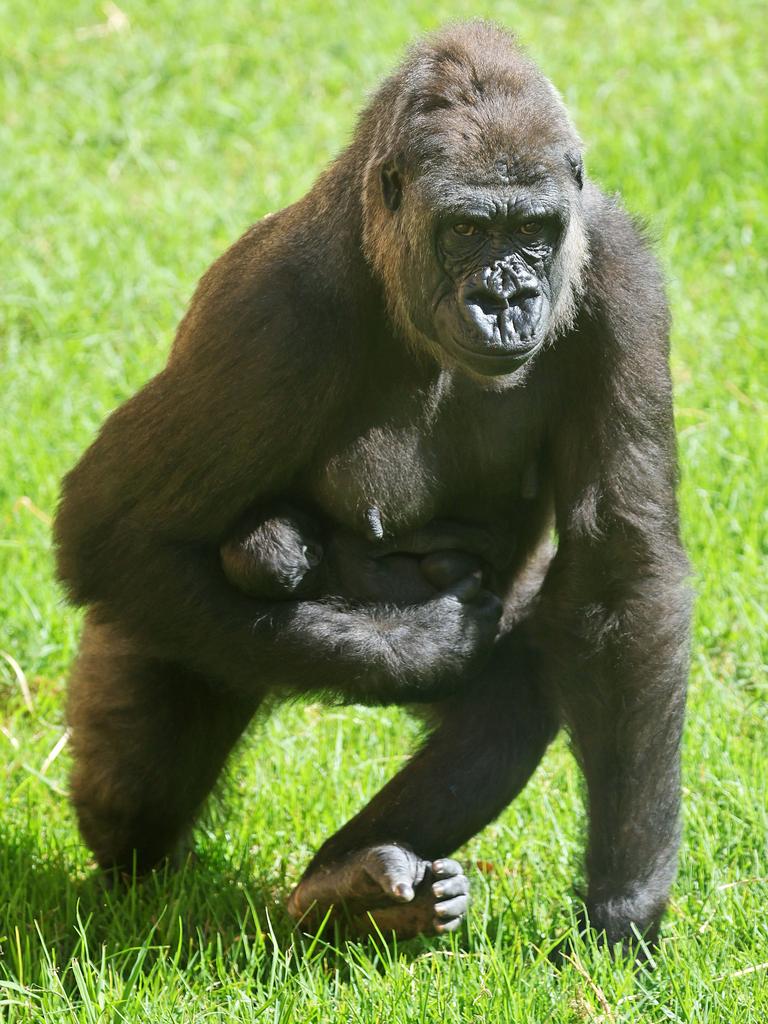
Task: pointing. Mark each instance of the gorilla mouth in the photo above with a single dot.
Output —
(510, 331)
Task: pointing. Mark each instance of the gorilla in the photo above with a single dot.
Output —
(451, 358)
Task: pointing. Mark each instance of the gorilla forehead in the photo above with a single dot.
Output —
(517, 139)
(459, 169)
(476, 108)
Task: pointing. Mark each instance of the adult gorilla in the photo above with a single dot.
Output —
(453, 326)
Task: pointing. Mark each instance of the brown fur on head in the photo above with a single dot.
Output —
(467, 109)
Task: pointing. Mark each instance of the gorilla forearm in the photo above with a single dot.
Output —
(175, 599)
(628, 737)
(389, 654)
(487, 742)
(614, 646)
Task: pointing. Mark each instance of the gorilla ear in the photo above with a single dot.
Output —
(391, 185)
(577, 167)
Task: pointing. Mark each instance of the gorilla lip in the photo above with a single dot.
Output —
(509, 334)
(495, 361)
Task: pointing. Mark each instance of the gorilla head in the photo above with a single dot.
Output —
(476, 182)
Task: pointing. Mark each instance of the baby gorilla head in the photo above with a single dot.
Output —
(274, 556)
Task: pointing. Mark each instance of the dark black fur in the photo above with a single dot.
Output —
(454, 323)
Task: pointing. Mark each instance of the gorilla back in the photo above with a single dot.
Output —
(454, 324)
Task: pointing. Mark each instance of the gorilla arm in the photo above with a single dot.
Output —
(144, 511)
(614, 617)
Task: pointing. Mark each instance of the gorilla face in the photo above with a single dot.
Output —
(493, 301)
(488, 270)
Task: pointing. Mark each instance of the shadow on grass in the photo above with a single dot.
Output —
(48, 909)
(197, 916)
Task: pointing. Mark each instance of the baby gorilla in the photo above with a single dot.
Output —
(282, 553)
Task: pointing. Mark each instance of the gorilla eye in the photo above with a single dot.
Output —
(465, 229)
(531, 227)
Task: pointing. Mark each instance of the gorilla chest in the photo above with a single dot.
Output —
(451, 458)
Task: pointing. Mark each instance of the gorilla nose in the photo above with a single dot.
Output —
(493, 301)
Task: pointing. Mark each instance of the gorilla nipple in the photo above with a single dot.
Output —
(375, 527)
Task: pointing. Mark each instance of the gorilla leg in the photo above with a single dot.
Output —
(149, 739)
(391, 857)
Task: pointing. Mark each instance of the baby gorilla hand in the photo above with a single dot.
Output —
(385, 888)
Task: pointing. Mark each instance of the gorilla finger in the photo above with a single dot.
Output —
(446, 867)
(489, 604)
(443, 927)
(397, 870)
(446, 888)
(467, 589)
(456, 907)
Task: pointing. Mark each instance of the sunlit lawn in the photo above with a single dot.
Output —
(133, 148)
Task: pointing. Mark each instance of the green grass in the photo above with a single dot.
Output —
(128, 160)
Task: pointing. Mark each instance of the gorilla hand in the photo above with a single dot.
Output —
(455, 629)
(385, 888)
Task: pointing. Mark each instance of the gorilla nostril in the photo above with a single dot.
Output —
(522, 294)
(491, 303)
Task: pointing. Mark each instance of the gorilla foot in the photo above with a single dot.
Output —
(385, 888)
